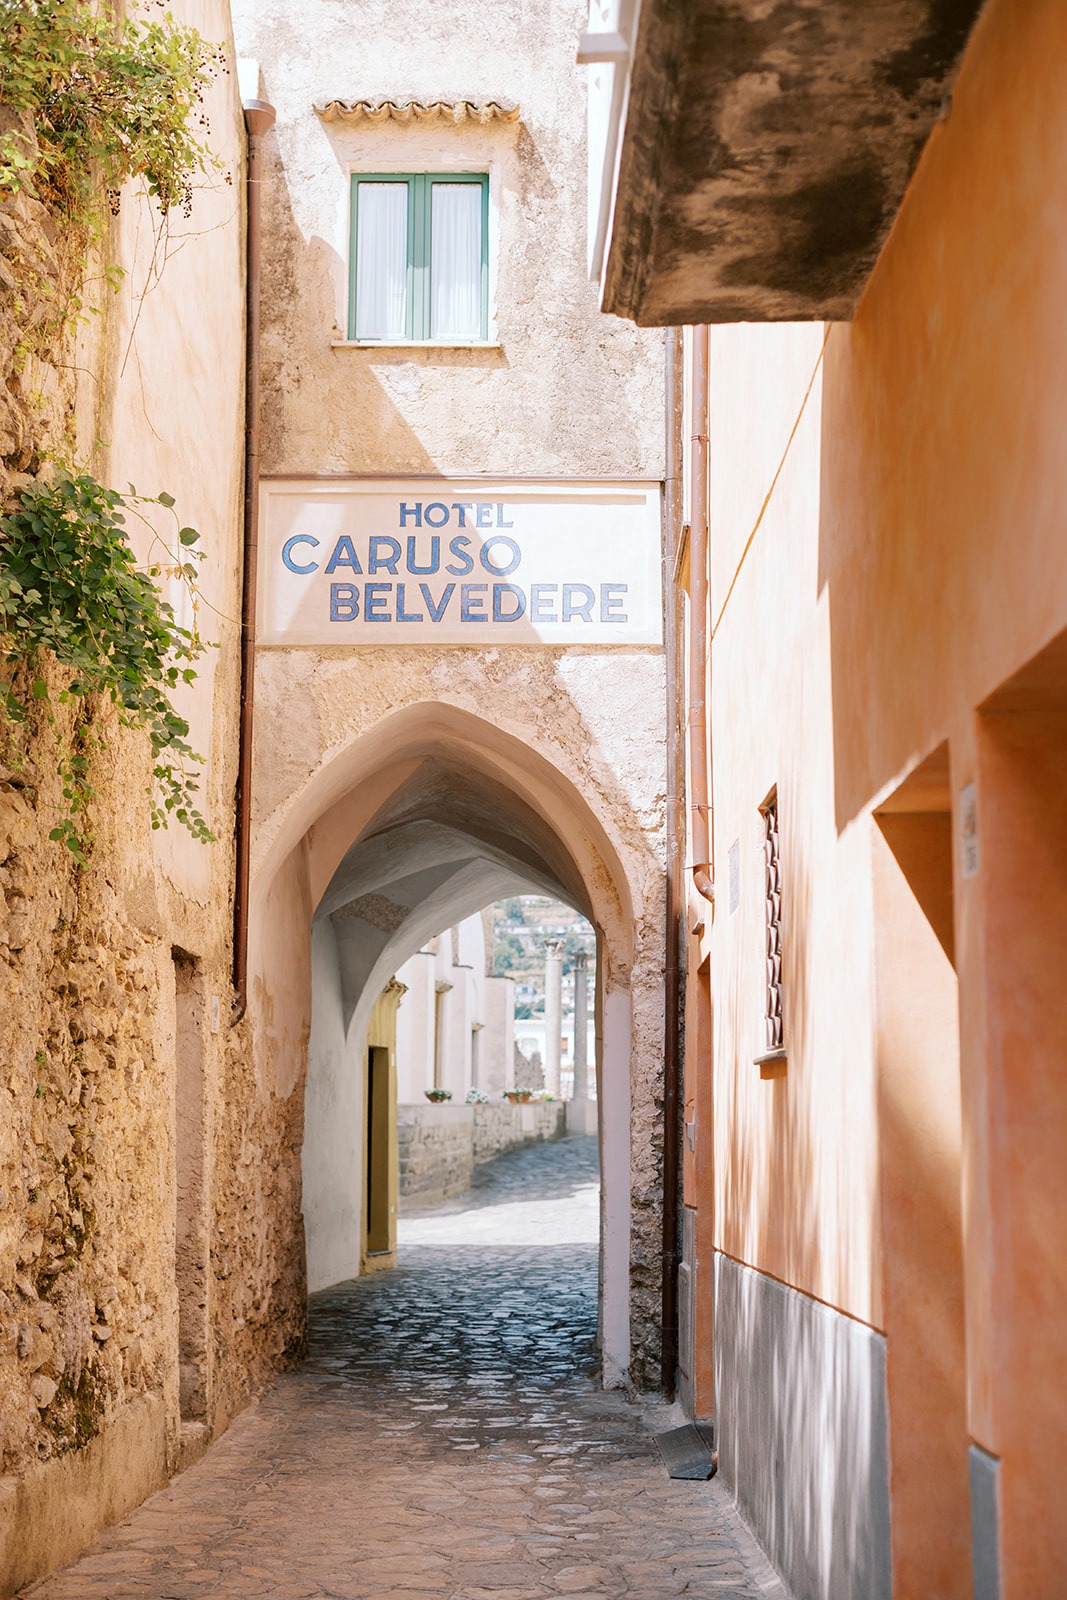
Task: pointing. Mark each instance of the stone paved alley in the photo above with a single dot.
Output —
(445, 1438)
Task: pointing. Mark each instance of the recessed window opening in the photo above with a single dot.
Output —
(419, 258)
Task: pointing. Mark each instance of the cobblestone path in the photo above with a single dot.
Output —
(445, 1438)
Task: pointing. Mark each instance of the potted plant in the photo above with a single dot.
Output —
(518, 1096)
(437, 1095)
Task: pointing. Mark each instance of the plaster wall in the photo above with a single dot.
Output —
(415, 1027)
(496, 1071)
(957, 365)
(906, 587)
(333, 1119)
(475, 1002)
(576, 733)
(534, 404)
(459, 1011)
(812, 1130)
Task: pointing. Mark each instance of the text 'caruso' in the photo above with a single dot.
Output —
(451, 558)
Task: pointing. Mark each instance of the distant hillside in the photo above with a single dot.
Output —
(520, 927)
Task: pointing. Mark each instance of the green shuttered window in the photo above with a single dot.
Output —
(419, 258)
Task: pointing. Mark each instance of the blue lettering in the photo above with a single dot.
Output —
(436, 522)
(374, 598)
(460, 555)
(287, 547)
(574, 608)
(484, 515)
(344, 555)
(461, 506)
(379, 563)
(344, 602)
(410, 511)
(499, 591)
(401, 614)
(435, 556)
(541, 595)
(610, 599)
(516, 556)
(438, 611)
(500, 518)
(469, 602)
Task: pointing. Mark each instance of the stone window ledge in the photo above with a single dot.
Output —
(415, 344)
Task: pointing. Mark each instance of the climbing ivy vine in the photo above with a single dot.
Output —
(111, 97)
(92, 95)
(71, 589)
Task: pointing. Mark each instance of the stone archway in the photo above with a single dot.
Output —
(419, 821)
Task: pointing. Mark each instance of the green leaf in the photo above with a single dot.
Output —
(188, 535)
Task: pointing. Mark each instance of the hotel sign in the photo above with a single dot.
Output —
(447, 561)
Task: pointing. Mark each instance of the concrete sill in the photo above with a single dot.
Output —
(772, 1063)
(414, 344)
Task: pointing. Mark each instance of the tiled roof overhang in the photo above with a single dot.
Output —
(455, 111)
(766, 148)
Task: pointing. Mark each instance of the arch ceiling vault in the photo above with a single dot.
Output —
(391, 835)
(446, 842)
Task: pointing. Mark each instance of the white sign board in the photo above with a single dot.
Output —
(360, 561)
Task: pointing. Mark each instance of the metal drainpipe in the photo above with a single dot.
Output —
(699, 744)
(259, 118)
(672, 641)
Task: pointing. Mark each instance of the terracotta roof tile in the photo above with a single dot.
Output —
(455, 111)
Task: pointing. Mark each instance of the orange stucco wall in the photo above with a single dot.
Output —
(945, 477)
(911, 560)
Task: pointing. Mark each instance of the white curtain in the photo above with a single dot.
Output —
(381, 260)
(456, 261)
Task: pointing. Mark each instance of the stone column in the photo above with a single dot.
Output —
(553, 1012)
(581, 1010)
(581, 1113)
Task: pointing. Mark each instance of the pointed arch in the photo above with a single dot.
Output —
(398, 832)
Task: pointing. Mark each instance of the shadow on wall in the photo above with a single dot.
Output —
(943, 471)
(306, 421)
(800, 1388)
(314, 390)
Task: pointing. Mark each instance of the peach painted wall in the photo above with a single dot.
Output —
(911, 559)
(945, 473)
(796, 1156)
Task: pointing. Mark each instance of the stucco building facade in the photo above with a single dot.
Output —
(872, 1290)
(178, 1168)
(402, 787)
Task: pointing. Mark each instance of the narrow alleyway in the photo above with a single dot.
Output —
(445, 1438)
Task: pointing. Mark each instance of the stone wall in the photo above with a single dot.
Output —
(439, 1145)
(508, 1126)
(141, 1164)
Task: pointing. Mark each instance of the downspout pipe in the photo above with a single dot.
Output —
(259, 119)
(672, 1015)
(699, 743)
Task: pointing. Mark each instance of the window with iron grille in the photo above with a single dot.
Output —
(774, 1038)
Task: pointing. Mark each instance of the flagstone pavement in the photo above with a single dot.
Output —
(445, 1440)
